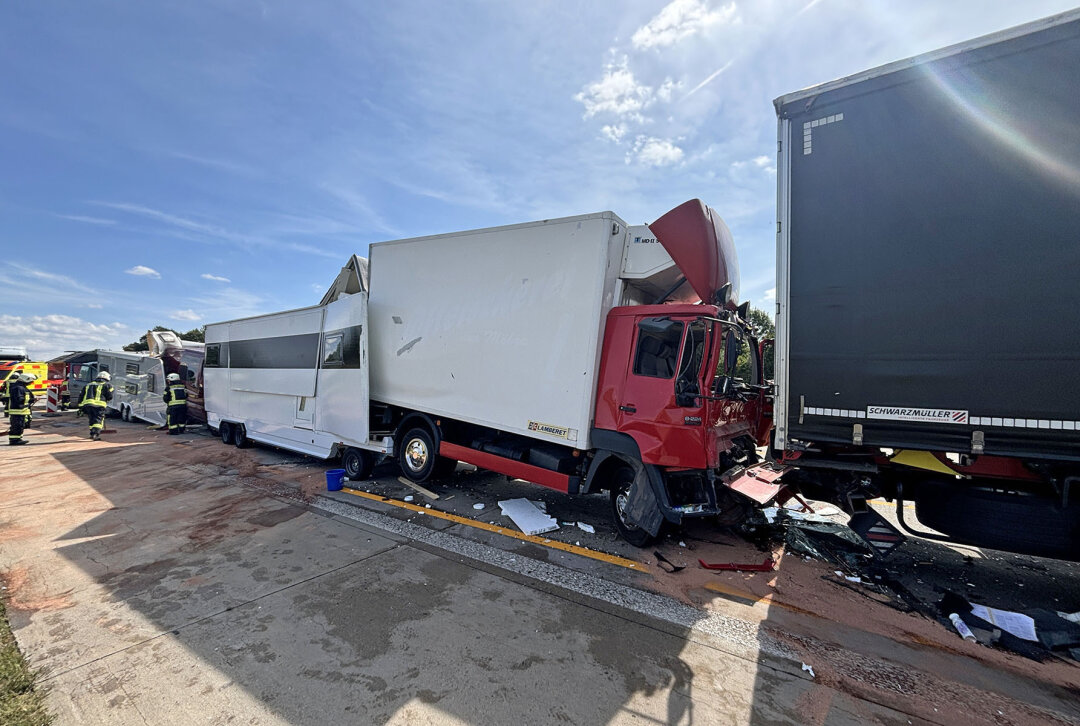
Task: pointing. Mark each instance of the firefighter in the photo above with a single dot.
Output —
(29, 378)
(175, 398)
(95, 397)
(19, 401)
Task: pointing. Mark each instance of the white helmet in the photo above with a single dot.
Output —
(172, 377)
(27, 377)
(104, 376)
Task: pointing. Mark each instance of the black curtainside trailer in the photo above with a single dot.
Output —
(928, 319)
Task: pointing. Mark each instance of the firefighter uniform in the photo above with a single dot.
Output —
(175, 398)
(19, 402)
(95, 397)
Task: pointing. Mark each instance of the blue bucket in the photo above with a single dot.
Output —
(334, 480)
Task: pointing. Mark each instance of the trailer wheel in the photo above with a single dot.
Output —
(621, 482)
(240, 439)
(225, 431)
(124, 413)
(357, 463)
(417, 455)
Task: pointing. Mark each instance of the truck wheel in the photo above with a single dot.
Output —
(225, 430)
(357, 463)
(417, 455)
(620, 498)
(240, 439)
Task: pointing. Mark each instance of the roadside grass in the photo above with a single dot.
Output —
(21, 704)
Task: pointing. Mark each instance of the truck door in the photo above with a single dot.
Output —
(658, 407)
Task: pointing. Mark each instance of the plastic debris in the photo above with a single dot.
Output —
(961, 627)
(767, 566)
(682, 544)
(855, 579)
(809, 669)
(671, 567)
(586, 527)
(528, 517)
(479, 505)
(408, 498)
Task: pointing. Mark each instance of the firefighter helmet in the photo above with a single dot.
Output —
(27, 377)
(173, 378)
(104, 376)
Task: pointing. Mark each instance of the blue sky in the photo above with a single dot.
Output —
(184, 163)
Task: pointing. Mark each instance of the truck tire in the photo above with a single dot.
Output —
(225, 430)
(621, 481)
(240, 439)
(417, 455)
(357, 463)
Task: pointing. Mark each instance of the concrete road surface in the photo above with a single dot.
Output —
(152, 582)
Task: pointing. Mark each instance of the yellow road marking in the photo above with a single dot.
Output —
(889, 505)
(542, 541)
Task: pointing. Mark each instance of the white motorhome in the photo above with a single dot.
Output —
(296, 379)
(138, 382)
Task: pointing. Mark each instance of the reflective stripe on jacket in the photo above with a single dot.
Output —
(96, 394)
(176, 395)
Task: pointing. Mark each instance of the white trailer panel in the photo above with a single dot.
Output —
(296, 379)
(500, 327)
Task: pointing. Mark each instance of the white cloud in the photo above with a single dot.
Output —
(47, 336)
(94, 306)
(87, 220)
(215, 278)
(143, 271)
(651, 151)
(617, 93)
(764, 163)
(680, 19)
(185, 315)
(769, 295)
(667, 88)
(614, 132)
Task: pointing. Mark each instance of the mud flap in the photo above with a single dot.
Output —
(877, 531)
(643, 509)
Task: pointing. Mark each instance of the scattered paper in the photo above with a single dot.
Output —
(542, 506)
(809, 669)
(1020, 625)
(528, 518)
(586, 527)
(1071, 617)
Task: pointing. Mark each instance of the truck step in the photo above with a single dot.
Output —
(877, 531)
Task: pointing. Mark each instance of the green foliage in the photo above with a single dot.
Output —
(764, 329)
(21, 704)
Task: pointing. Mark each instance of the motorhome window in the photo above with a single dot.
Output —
(658, 347)
(213, 356)
(334, 349)
(132, 369)
(151, 386)
(85, 374)
(132, 388)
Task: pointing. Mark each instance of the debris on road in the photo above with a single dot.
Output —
(416, 487)
(671, 567)
(527, 516)
(479, 505)
(767, 566)
(1034, 633)
(586, 527)
(408, 498)
(809, 669)
(961, 628)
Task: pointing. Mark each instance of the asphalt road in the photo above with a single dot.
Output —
(160, 579)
